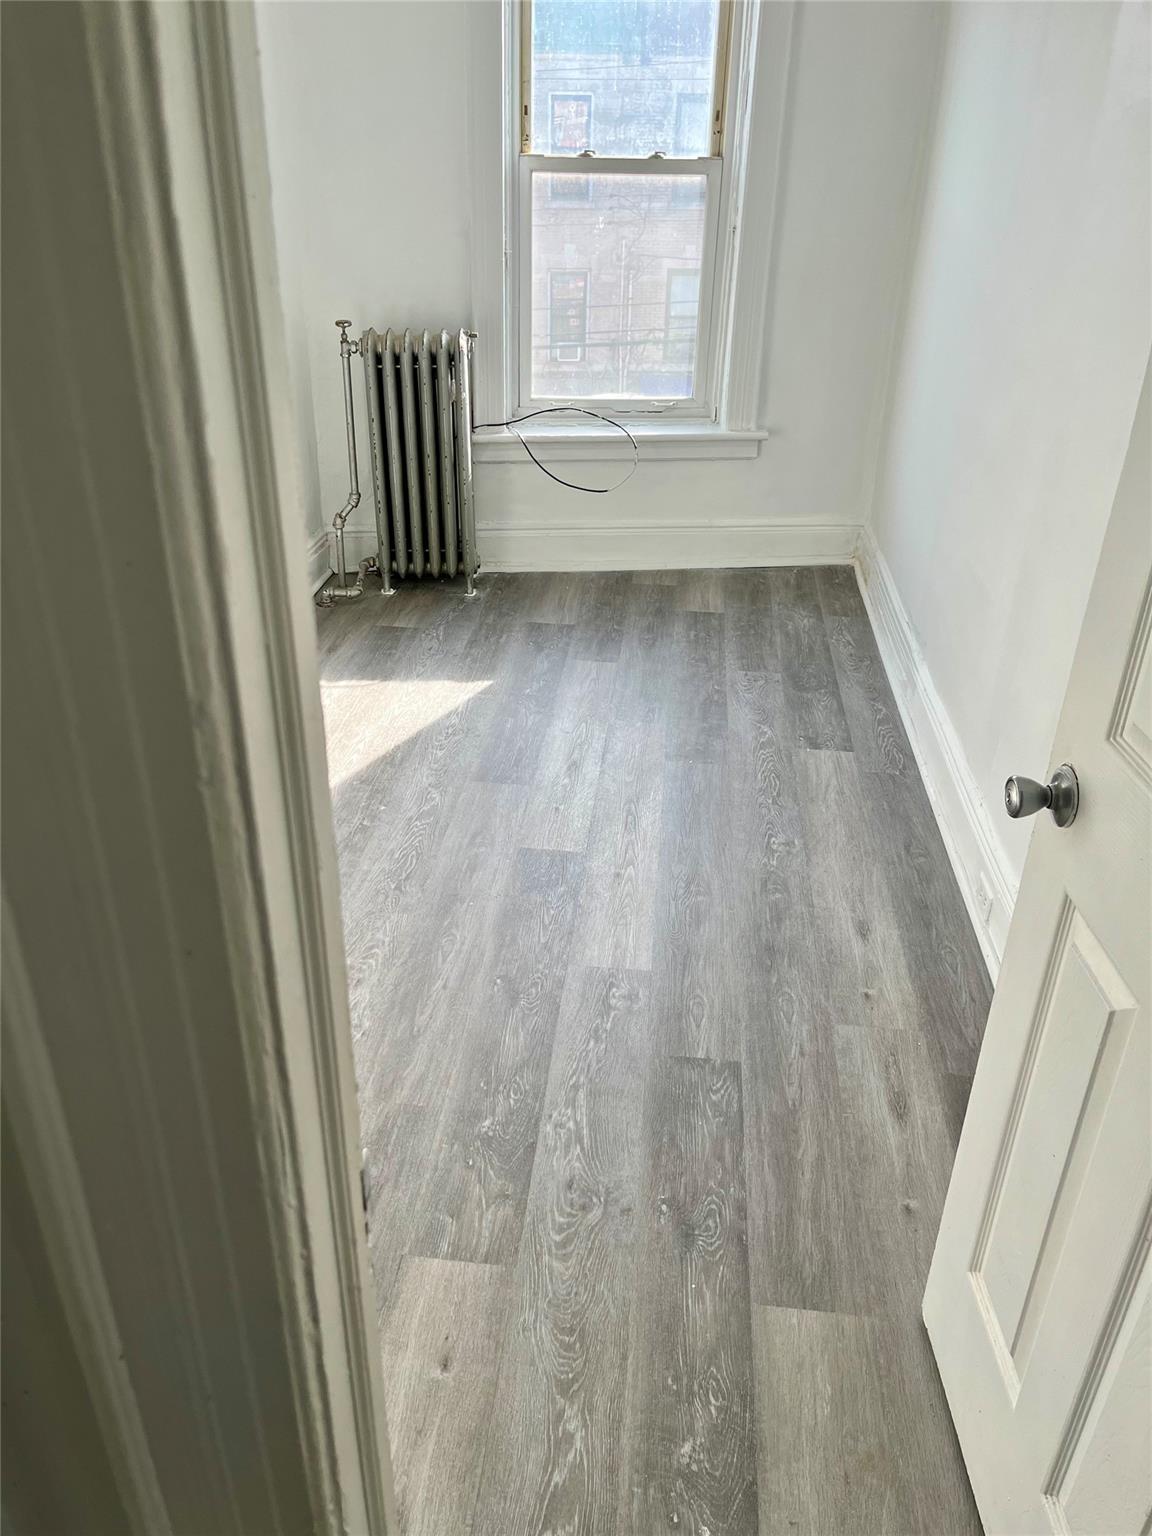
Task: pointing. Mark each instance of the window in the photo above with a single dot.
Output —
(567, 316)
(570, 113)
(681, 304)
(691, 124)
(690, 127)
(617, 253)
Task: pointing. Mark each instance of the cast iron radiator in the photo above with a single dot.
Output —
(418, 388)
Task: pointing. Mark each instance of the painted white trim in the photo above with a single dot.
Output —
(320, 561)
(960, 809)
(281, 721)
(762, 103)
(645, 546)
(661, 546)
(490, 130)
(198, 267)
(501, 445)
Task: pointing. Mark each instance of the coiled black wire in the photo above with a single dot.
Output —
(552, 410)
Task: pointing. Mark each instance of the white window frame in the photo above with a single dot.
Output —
(716, 257)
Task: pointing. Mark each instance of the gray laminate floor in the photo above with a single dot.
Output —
(666, 1008)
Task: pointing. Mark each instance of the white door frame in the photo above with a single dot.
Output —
(183, 138)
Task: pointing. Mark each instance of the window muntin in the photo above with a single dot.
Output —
(634, 89)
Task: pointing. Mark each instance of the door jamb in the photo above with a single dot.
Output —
(183, 136)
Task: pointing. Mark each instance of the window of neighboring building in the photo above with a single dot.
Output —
(691, 122)
(681, 308)
(617, 257)
(690, 125)
(570, 115)
(567, 316)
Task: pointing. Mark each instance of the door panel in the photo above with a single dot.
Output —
(1099, 1486)
(1081, 1030)
(1038, 1297)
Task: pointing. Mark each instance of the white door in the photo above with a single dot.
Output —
(1038, 1300)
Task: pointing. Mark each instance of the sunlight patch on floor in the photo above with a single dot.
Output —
(364, 721)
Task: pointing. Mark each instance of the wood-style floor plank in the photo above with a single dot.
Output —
(398, 1145)
(475, 1193)
(792, 1134)
(846, 1407)
(893, 1121)
(690, 1432)
(617, 915)
(525, 689)
(407, 1012)
(696, 988)
(563, 797)
(878, 738)
(554, 1447)
(839, 593)
(695, 685)
(859, 959)
(812, 692)
(701, 591)
(665, 1009)
(943, 957)
(441, 1350)
(600, 624)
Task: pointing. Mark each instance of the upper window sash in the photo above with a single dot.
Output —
(718, 108)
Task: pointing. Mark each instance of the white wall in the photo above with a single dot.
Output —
(1026, 337)
(369, 192)
(372, 169)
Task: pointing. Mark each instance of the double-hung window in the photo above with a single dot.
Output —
(619, 189)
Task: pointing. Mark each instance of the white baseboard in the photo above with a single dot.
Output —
(961, 811)
(671, 546)
(627, 546)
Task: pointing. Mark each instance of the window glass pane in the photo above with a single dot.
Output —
(615, 284)
(623, 77)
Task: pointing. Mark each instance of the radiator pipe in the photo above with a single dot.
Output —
(328, 595)
(465, 343)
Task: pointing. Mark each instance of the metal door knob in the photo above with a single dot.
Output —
(1061, 796)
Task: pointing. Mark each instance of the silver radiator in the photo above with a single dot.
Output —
(418, 389)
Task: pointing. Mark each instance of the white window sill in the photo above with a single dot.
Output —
(655, 440)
